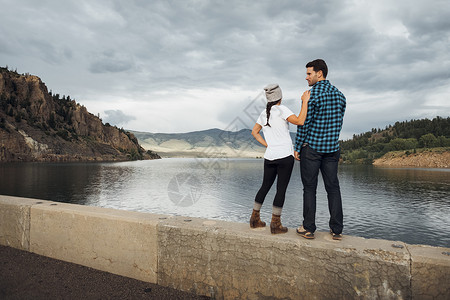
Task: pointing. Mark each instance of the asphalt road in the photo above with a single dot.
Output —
(25, 275)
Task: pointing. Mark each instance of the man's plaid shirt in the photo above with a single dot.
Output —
(326, 108)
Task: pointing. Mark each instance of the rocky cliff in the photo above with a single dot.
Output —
(36, 125)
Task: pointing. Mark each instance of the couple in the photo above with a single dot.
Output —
(316, 147)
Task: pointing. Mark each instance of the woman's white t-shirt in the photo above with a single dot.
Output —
(277, 136)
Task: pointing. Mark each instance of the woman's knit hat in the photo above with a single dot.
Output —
(273, 92)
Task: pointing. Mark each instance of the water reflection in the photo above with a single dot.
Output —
(57, 182)
(410, 205)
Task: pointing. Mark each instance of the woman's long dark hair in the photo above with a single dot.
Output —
(268, 108)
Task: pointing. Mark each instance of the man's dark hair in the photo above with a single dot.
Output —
(318, 65)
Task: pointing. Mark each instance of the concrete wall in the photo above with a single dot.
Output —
(224, 260)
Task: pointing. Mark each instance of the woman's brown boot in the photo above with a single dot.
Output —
(275, 225)
(255, 221)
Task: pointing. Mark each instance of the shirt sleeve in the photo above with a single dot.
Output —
(285, 112)
(302, 130)
(344, 105)
(298, 141)
(261, 119)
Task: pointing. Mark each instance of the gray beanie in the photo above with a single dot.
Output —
(273, 92)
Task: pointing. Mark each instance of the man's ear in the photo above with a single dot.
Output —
(320, 74)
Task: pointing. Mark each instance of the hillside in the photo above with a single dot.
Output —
(404, 144)
(36, 125)
(206, 143)
(408, 137)
(423, 158)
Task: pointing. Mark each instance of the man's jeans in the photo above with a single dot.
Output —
(310, 163)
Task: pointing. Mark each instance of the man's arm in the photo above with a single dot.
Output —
(298, 142)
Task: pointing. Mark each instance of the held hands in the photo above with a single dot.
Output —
(306, 95)
(296, 155)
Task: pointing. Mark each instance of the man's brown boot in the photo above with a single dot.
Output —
(275, 225)
(255, 221)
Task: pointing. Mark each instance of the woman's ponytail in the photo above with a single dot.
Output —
(268, 108)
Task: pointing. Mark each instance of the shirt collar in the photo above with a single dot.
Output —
(322, 82)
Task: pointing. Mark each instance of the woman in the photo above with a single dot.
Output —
(279, 154)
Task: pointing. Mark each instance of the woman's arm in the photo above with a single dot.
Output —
(300, 119)
(255, 132)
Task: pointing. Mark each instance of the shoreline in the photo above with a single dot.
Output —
(427, 159)
(438, 158)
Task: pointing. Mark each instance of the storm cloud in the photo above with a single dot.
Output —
(117, 117)
(179, 66)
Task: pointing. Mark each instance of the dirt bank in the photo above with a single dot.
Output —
(430, 158)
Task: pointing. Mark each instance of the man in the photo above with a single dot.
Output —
(317, 148)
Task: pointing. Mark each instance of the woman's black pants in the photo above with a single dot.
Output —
(281, 167)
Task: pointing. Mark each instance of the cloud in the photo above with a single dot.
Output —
(207, 58)
(117, 117)
(110, 61)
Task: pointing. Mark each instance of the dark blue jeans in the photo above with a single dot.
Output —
(311, 162)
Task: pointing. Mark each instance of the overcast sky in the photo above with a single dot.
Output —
(181, 66)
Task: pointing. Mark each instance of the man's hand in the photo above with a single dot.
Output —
(296, 155)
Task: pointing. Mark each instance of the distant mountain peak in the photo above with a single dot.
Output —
(212, 142)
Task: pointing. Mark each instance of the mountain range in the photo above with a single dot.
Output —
(206, 143)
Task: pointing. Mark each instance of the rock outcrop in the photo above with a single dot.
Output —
(36, 125)
(439, 158)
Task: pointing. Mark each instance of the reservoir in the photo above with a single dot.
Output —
(400, 204)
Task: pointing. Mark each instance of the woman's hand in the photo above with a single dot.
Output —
(300, 119)
(255, 132)
(306, 95)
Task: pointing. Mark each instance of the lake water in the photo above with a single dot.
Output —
(409, 205)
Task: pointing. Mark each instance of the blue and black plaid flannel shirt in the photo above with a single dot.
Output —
(323, 124)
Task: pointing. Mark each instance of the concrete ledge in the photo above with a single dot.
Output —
(229, 260)
(224, 260)
(15, 221)
(119, 242)
(430, 272)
